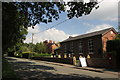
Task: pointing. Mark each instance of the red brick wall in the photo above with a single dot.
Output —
(97, 42)
(50, 46)
(99, 45)
(102, 62)
(110, 35)
(96, 62)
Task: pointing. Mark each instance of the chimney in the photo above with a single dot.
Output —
(70, 36)
(50, 41)
(54, 41)
(45, 41)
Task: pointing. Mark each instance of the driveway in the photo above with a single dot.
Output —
(29, 69)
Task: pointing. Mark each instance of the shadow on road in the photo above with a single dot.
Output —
(31, 71)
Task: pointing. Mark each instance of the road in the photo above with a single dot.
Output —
(29, 69)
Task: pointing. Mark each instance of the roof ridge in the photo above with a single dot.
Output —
(88, 34)
(94, 32)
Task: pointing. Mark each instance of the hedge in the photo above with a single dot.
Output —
(113, 45)
(28, 54)
(42, 55)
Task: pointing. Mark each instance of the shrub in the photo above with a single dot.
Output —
(28, 54)
(113, 46)
(18, 55)
(11, 54)
(42, 55)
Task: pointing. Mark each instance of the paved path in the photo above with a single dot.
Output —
(42, 70)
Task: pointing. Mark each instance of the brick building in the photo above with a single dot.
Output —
(50, 46)
(92, 44)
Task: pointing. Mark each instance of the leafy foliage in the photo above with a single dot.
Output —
(12, 31)
(113, 45)
(118, 36)
(36, 12)
(18, 16)
(77, 9)
(40, 48)
(43, 55)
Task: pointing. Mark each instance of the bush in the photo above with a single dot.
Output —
(11, 54)
(113, 45)
(18, 54)
(28, 54)
(43, 55)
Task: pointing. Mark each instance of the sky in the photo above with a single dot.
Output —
(105, 16)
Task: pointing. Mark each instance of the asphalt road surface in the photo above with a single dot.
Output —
(29, 69)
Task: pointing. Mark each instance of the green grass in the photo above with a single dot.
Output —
(7, 71)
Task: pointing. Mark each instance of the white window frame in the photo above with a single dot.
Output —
(80, 47)
(90, 46)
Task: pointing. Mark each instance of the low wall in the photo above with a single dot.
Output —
(91, 62)
(102, 63)
(59, 60)
(96, 62)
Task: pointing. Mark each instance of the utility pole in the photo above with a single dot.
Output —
(32, 37)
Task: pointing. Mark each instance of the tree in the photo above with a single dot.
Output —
(12, 32)
(31, 46)
(40, 48)
(18, 16)
(118, 36)
(113, 46)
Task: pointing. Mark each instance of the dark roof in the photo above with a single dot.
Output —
(101, 32)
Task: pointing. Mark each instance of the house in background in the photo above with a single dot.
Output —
(92, 44)
(50, 46)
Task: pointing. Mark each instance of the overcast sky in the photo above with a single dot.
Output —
(104, 17)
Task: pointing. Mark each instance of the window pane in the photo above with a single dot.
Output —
(90, 45)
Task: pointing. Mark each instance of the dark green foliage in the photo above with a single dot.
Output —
(40, 48)
(28, 54)
(18, 16)
(12, 29)
(113, 45)
(78, 9)
(24, 48)
(37, 12)
(118, 36)
(43, 55)
(30, 46)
